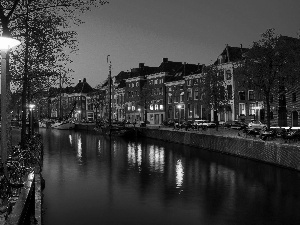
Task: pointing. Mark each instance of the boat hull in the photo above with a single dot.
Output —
(63, 126)
(114, 131)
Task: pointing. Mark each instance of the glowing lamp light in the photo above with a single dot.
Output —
(31, 106)
(7, 43)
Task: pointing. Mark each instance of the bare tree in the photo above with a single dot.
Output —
(213, 91)
(146, 98)
(271, 64)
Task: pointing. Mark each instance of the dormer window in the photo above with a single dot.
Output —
(228, 75)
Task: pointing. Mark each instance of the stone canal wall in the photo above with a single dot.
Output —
(285, 155)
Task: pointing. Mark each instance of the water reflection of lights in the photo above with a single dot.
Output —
(99, 147)
(135, 155)
(179, 173)
(157, 158)
(79, 148)
(70, 138)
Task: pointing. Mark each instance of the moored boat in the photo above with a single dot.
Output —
(115, 131)
(63, 125)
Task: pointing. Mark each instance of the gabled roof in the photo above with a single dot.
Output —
(232, 54)
(83, 87)
(181, 70)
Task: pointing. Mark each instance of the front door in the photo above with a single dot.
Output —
(295, 119)
(156, 119)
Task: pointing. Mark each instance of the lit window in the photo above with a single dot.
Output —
(151, 107)
(156, 107)
(251, 109)
(242, 109)
(133, 108)
(161, 107)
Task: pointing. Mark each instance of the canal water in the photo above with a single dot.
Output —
(91, 179)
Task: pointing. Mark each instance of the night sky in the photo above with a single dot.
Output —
(192, 31)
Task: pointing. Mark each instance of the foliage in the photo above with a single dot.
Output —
(45, 30)
(213, 91)
(146, 98)
(270, 64)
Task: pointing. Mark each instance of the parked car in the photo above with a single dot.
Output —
(204, 123)
(257, 124)
(227, 124)
(238, 125)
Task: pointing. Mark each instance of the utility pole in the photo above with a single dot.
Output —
(109, 92)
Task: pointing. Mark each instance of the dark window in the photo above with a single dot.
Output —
(271, 99)
(229, 91)
(294, 97)
(242, 95)
(251, 95)
(271, 115)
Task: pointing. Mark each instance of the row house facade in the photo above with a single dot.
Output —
(152, 108)
(73, 102)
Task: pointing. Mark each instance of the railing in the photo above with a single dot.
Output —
(20, 185)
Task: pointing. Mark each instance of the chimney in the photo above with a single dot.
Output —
(79, 81)
(227, 51)
(84, 80)
(165, 60)
(141, 65)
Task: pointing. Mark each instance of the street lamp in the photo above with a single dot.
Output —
(5, 45)
(79, 115)
(31, 107)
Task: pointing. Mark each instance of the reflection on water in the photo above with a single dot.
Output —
(156, 159)
(91, 178)
(179, 173)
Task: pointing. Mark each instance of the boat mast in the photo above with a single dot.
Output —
(60, 111)
(109, 91)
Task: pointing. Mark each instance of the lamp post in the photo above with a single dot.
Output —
(79, 115)
(31, 107)
(5, 45)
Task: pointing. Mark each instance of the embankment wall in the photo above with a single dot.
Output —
(285, 155)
